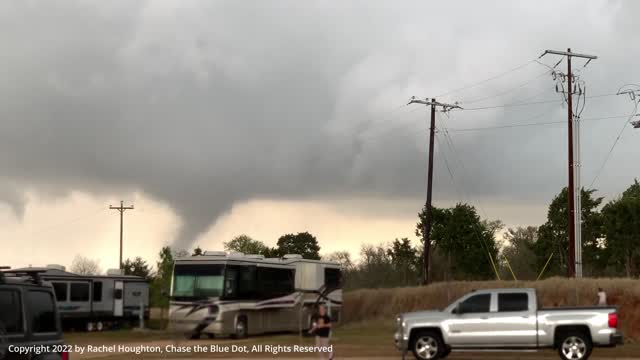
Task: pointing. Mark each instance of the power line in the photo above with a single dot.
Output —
(488, 79)
(530, 103)
(506, 91)
(508, 126)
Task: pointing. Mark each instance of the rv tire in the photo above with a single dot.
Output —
(241, 330)
(192, 336)
(90, 327)
(99, 326)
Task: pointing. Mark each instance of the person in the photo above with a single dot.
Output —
(322, 329)
(602, 297)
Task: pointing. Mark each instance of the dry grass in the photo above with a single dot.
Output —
(365, 305)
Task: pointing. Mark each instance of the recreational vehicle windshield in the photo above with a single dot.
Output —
(242, 295)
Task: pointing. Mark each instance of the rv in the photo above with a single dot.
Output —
(220, 294)
(94, 302)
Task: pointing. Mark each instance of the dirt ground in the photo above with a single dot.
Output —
(364, 341)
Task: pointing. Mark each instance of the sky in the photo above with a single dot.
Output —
(220, 118)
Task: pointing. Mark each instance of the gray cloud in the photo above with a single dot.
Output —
(205, 104)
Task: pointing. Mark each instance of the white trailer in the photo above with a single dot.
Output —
(93, 302)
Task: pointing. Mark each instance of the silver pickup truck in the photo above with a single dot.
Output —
(506, 319)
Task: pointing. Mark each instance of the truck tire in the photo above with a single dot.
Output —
(427, 345)
(574, 345)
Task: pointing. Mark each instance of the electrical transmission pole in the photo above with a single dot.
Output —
(426, 230)
(122, 209)
(573, 192)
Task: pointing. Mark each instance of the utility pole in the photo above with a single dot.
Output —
(122, 209)
(573, 193)
(426, 230)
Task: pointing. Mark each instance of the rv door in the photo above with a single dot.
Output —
(118, 298)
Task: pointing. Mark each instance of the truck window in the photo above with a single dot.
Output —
(476, 304)
(41, 311)
(79, 292)
(11, 314)
(97, 291)
(513, 302)
(60, 289)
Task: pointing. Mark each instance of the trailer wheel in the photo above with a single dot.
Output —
(90, 326)
(574, 345)
(99, 326)
(241, 330)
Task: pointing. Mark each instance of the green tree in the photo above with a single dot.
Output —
(137, 267)
(403, 259)
(553, 236)
(621, 227)
(518, 251)
(302, 243)
(160, 286)
(468, 242)
(197, 251)
(246, 245)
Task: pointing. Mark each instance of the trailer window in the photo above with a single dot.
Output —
(79, 292)
(332, 277)
(97, 291)
(61, 291)
(513, 302)
(476, 304)
(11, 314)
(41, 311)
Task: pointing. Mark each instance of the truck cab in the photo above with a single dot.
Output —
(29, 319)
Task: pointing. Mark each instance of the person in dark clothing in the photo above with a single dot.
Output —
(322, 330)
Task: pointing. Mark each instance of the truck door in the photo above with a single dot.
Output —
(514, 323)
(118, 298)
(470, 325)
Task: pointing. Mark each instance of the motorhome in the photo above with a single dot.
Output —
(95, 302)
(239, 295)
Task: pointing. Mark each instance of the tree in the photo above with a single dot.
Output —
(84, 266)
(341, 257)
(302, 243)
(467, 242)
(160, 286)
(246, 245)
(403, 259)
(621, 227)
(518, 251)
(553, 236)
(137, 267)
(197, 251)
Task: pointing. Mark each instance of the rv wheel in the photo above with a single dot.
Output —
(89, 326)
(192, 336)
(99, 326)
(241, 328)
(211, 336)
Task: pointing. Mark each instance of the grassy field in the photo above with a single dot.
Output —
(363, 340)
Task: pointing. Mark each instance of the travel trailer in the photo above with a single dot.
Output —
(239, 295)
(94, 302)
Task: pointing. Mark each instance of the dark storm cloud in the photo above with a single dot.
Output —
(205, 104)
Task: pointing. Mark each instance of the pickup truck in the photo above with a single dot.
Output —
(506, 319)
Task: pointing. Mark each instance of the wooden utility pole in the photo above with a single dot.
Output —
(426, 230)
(574, 195)
(122, 209)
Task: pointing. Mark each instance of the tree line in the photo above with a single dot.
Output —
(464, 247)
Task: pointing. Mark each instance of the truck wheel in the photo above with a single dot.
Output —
(99, 326)
(575, 345)
(427, 345)
(89, 326)
(241, 328)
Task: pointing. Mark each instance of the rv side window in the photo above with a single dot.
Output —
(41, 311)
(11, 314)
(275, 282)
(79, 292)
(97, 291)
(60, 289)
(332, 277)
